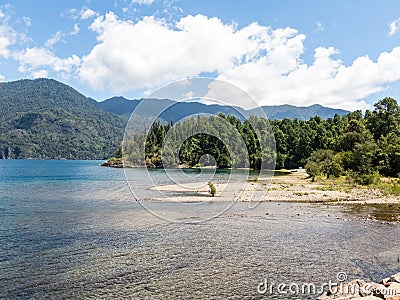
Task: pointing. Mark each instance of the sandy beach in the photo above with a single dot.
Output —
(293, 187)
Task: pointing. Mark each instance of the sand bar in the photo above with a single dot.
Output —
(295, 187)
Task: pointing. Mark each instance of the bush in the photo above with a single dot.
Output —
(390, 188)
(324, 162)
(313, 170)
(364, 179)
(213, 190)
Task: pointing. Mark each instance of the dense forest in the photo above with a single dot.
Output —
(362, 146)
(229, 141)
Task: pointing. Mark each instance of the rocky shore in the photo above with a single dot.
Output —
(387, 288)
(113, 163)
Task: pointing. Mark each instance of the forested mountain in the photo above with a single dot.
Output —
(179, 110)
(44, 118)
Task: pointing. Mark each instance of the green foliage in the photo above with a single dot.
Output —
(385, 118)
(364, 179)
(46, 119)
(324, 162)
(228, 145)
(365, 145)
(213, 189)
(313, 169)
(391, 187)
(364, 157)
(118, 154)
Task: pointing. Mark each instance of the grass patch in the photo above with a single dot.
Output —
(387, 186)
(255, 179)
(340, 184)
(390, 187)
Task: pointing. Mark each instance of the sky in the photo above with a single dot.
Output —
(340, 54)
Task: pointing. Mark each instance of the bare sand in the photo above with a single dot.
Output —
(294, 187)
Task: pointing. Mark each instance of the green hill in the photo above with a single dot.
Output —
(44, 118)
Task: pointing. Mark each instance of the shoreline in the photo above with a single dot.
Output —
(293, 187)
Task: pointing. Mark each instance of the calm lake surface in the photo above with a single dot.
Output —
(72, 229)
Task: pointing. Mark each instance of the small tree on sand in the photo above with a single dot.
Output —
(213, 190)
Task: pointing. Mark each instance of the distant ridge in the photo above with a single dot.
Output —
(280, 112)
(179, 110)
(119, 105)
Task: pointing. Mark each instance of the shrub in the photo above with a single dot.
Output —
(323, 162)
(213, 190)
(363, 179)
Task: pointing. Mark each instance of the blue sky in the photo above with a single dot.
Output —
(343, 54)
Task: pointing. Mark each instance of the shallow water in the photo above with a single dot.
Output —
(70, 229)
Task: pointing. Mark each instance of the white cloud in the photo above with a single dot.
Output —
(223, 93)
(87, 13)
(189, 95)
(76, 29)
(40, 74)
(8, 36)
(148, 53)
(55, 38)
(327, 81)
(84, 13)
(320, 26)
(265, 62)
(148, 2)
(27, 22)
(36, 61)
(394, 27)
(4, 43)
(2, 77)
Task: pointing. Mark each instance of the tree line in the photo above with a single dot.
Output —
(223, 141)
(360, 145)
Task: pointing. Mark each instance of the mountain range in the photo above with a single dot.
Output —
(46, 119)
(177, 110)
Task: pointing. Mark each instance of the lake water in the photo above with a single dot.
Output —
(72, 229)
